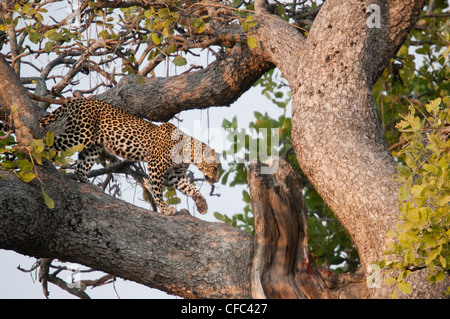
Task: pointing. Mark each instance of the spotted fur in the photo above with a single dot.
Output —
(167, 151)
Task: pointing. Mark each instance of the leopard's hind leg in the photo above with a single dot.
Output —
(155, 177)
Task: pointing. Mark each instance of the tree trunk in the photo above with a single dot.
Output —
(336, 129)
(16, 107)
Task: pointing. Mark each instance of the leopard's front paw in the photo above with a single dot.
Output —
(168, 210)
(201, 204)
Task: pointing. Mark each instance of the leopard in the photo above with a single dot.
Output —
(168, 151)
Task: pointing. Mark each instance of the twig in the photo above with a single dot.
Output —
(48, 99)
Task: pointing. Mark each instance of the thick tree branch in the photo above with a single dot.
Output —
(280, 41)
(220, 84)
(181, 255)
(337, 140)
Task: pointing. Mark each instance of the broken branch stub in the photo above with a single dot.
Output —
(281, 267)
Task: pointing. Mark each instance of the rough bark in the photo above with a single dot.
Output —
(181, 255)
(220, 84)
(281, 266)
(16, 105)
(336, 129)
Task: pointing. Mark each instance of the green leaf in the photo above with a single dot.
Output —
(8, 164)
(34, 36)
(104, 34)
(444, 200)
(49, 138)
(440, 275)
(446, 99)
(433, 106)
(244, 26)
(73, 150)
(417, 190)
(155, 39)
(149, 13)
(252, 42)
(38, 145)
(225, 177)
(26, 176)
(25, 165)
(407, 239)
(443, 163)
(246, 196)
(199, 25)
(403, 170)
(163, 13)
(404, 287)
(51, 153)
(250, 22)
(50, 203)
(403, 192)
(172, 48)
(49, 45)
(175, 16)
(391, 233)
(174, 201)
(26, 7)
(179, 60)
(281, 10)
(53, 35)
(390, 281)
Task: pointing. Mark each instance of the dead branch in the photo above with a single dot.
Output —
(282, 267)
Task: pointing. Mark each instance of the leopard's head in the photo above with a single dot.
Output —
(210, 165)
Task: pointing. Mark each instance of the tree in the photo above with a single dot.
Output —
(331, 68)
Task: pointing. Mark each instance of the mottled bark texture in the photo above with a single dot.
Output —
(338, 142)
(335, 126)
(281, 266)
(16, 107)
(181, 255)
(220, 84)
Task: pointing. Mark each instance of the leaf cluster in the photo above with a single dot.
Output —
(421, 238)
(110, 39)
(418, 73)
(245, 220)
(23, 161)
